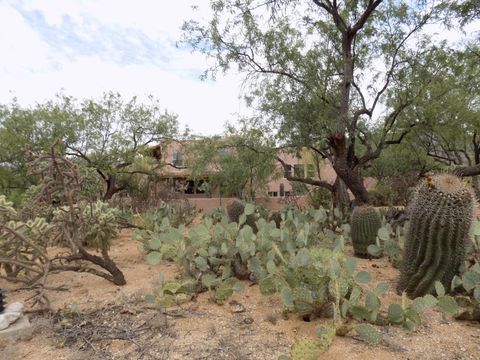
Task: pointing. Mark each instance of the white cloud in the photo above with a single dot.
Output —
(22, 48)
(37, 61)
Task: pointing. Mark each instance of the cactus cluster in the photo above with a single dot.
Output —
(311, 283)
(440, 220)
(365, 222)
(99, 222)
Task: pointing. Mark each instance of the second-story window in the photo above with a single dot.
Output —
(177, 159)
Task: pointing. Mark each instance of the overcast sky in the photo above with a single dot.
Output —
(85, 47)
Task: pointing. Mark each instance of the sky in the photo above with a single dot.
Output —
(83, 48)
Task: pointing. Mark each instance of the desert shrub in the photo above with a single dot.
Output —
(383, 195)
(319, 197)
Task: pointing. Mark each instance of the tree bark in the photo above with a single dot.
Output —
(106, 263)
(112, 187)
(341, 199)
(467, 170)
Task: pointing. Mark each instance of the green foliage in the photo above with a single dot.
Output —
(364, 225)
(315, 279)
(303, 260)
(440, 220)
(105, 136)
(382, 195)
(239, 164)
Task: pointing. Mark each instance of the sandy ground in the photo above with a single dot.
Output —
(116, 323)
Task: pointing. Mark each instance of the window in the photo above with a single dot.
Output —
(273, 193)
(282, 190)
(177, 159)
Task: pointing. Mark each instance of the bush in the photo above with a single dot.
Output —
(383, 195)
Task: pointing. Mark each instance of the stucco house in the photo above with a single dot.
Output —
(177, 177)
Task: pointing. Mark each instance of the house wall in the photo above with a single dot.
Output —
(326, 172)
(273, 204)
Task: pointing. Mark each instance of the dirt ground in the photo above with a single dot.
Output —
(98, 320)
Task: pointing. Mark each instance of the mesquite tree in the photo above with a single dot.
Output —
(109, 135)
(322, 72)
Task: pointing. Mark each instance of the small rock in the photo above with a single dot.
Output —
(236, 307)
(248, 320)
(11, 314)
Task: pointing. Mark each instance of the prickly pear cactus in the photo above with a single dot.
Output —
(307, 348)
(364, 226)
(235, 210)
(440, 221)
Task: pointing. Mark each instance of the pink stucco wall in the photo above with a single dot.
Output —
(273, 204)
(327, 173)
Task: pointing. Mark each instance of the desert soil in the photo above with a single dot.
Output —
(112, 322)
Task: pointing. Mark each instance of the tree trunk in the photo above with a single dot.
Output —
(106, 263)
(112, 187)
(340, 197)
(342, 164)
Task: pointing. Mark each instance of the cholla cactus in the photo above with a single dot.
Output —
(6, 208)
(364, 226)
(440, 220)
(100, 224)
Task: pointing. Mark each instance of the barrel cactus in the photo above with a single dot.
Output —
(365, 222)
(441, 215)
(276, 217)
(235, 209)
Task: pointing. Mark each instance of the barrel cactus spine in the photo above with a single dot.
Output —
(365, 222)
(441, 216)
